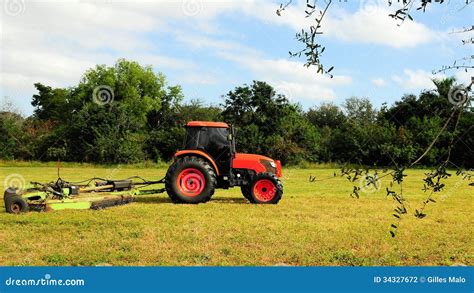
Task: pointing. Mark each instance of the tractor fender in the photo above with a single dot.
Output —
(200, 154)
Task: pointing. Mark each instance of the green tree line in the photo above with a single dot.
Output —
(127, 113)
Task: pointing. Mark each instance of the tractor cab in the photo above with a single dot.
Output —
(209, 160)
(215, 139)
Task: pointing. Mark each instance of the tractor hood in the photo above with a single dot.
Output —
(257, 163)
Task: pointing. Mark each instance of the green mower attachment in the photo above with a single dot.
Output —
(96, 194)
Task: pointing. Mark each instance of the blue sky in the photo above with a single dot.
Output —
(210, 47)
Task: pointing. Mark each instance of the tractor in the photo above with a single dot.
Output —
(209, 161)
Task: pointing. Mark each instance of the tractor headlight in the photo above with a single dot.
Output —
(272, 163)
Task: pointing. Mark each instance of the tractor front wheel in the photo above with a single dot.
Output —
(190, 180)
(266, 188)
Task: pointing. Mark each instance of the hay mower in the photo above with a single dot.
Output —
(208, 161)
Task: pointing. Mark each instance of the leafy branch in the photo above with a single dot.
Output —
(312, 49)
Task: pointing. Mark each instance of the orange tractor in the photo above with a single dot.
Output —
(209, 161)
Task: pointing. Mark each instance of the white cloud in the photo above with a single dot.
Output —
(160, 62)
(415, 79)
(371, 24)
(200, 79)
(17, 82)
(202, 42)
(291, 78)
(55, 42)
(464, 77)
(423, 80)
(379, 82)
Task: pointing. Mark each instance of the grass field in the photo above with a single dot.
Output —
(314, 224)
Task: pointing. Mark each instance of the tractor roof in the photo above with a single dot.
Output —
(207, 124)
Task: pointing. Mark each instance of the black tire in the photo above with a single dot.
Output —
(16, 205)
(246, 192)
(181, 164)
(276, 184)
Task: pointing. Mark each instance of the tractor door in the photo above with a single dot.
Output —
(215, 142)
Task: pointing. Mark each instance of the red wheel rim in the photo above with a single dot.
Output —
(264, 190)
(191, 182)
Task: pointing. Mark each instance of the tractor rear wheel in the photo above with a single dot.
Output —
(190, 180)
(16, 205)
(266, 188)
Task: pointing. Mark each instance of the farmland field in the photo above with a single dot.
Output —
(316, 223)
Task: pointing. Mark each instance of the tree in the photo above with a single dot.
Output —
(327, 114)
(105, 118)
(52, 104)
(421, 118)
(360, 110)
(268, 123)
(329, 119)
(11, 134)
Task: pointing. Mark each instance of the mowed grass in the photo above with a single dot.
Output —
(315, 224)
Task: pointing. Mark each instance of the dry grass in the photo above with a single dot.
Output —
(314, 224)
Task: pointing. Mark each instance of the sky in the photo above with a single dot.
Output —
(211, 47)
